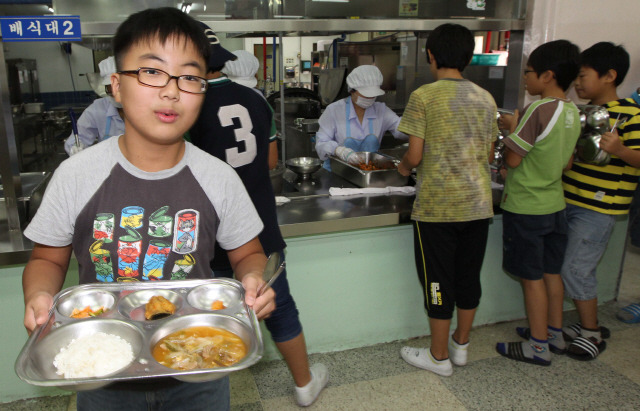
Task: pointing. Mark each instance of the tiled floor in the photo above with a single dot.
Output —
(375, 378)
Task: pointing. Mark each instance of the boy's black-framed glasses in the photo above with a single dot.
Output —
(527, 71)
(154, 77)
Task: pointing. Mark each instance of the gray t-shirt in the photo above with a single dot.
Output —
(126, 224)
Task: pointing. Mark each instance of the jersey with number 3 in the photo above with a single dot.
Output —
(235, 126)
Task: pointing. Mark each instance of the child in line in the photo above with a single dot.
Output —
(235, 126)
(595, 195)
(161, 57)
(534, 225)
(452, 127)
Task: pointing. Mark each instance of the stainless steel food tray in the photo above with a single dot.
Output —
(375, 178)
(125, 317)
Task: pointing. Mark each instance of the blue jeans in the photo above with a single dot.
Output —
(284, 322)
(205, 396)
(589, 233)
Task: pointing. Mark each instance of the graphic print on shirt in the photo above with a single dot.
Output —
(160, 224)
(186, 231)
(103, 227)
(129, 247)
(132, 217)
(101, 259)
(132, 242)
(182, 268)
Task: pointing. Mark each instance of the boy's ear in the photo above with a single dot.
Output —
(610, 76)
(115, 87)
(547, 76)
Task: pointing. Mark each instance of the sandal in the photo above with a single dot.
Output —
(585, 349)
(525, 333)
(513, 350)
(629, 314)
(571, 332)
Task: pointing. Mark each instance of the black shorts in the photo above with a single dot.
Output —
(533, 245)
(448, 260)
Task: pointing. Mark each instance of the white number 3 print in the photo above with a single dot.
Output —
(234, 157)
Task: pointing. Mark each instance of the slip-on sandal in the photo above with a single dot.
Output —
(574, 329)
(629, 314)
(513, 350)
(525, 332)
(585, 349)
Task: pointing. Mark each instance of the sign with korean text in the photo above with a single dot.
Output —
(40, 28)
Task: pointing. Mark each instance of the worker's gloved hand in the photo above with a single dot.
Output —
(75, 149)
(347, 155)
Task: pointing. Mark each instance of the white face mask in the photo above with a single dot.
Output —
(365, 102)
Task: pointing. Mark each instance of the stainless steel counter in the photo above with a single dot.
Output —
(313, 211)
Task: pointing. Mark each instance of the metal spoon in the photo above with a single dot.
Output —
(271, 271)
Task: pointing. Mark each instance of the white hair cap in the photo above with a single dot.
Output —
(243, 69)
(107, 68)
(366, 80)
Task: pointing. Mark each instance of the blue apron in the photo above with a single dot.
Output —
(107, 129)
(370, 143)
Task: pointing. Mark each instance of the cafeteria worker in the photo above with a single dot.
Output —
(104, 118)
(356, 123)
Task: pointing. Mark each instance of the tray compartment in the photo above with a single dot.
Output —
(45, 350)
(133, 304)
(81, 298)
(203, 296)
(225, 322)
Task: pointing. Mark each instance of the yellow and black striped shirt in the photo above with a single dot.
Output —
(608, 189)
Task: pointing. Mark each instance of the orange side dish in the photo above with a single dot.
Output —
(370, 166)
(86, 312)
(218, 305)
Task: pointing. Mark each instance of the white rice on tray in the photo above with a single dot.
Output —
(93, 355)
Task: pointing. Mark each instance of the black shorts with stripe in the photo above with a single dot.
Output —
(448, 261)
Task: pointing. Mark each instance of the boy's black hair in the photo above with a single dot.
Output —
(159, 23)
(451, 45)
(562, 57)
(605, 56)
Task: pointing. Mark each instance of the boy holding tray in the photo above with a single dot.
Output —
(109, 216)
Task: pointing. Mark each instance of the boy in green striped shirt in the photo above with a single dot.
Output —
(534, 224)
